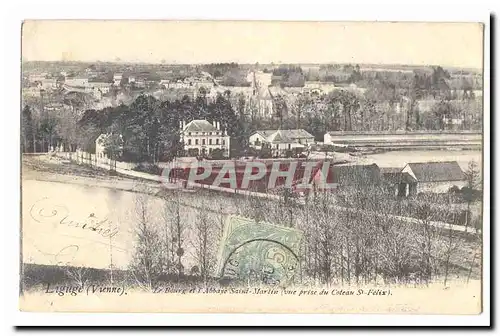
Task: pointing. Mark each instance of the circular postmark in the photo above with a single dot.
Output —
(260, 261)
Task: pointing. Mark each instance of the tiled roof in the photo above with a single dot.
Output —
(390, 170)
(200, 126)
(356, 174)
(289, 134)
(437, 171)
(278, 137)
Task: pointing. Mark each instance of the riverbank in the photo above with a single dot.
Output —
(116, 197)
(54, 169)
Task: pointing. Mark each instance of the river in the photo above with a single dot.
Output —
(78, 225)
(401, 158)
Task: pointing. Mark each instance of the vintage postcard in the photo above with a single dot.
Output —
(252, 167)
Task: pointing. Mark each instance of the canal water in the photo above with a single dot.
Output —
(77, 225)
(401, 158)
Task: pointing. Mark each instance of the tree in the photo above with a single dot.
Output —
(140, 129)
(147, 263)
(280, 109)
(473, 177)
(113, 146)
(344, 105)
(451, 244)
(67, 120)
(441, 111)
(47, 130)
(204, 243)
(27, 130)
(439, 84)
(177, 230)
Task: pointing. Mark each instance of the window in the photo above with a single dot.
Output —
(223, 142)
(189, 133)
(216, 141)
(209, 133)
(202, 133)
(203, 141)
(289, 146)
(196, 141)
(209, 141)
(189, 142)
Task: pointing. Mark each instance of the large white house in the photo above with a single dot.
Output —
(281, 140)
(117, 79)
(103, 87)
(201, 137)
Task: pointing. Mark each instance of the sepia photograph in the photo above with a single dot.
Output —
(252, 167)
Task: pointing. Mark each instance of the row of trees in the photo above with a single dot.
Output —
(289, 76)
(150, 127)
(355, 245)
(432, 79)
(168, 241)
(345, 110)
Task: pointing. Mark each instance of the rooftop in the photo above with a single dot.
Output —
(288, 134)
(199, 126)
(356, 174)
(278, 137)
(437, 171)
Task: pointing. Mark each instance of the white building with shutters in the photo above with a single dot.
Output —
(201, 137)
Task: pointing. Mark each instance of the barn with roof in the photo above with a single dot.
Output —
(435, 177)
(281, 140)
(400, 183)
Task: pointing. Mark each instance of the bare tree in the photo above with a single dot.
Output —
(147, 263)
(204, 243)
(451, 244)
(177, 231)
(80, 275)
(473, 177)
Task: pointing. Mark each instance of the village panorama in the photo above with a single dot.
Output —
(225, 174)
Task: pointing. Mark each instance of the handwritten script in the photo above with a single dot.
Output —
(45, 211)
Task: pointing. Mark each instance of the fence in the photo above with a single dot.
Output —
(93, 160)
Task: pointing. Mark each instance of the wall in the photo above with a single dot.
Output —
(439, 187)
(305, 141)
(77, 81)
(395, 139)
(224, 141)
(93, 159)
(254, 138)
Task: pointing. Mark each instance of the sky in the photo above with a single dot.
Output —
(445, 44)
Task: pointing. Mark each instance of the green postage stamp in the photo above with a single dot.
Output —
(258, 253)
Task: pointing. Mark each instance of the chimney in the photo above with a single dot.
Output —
(180, 125)
(218, 126)
(183, 125)
(214, 123)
